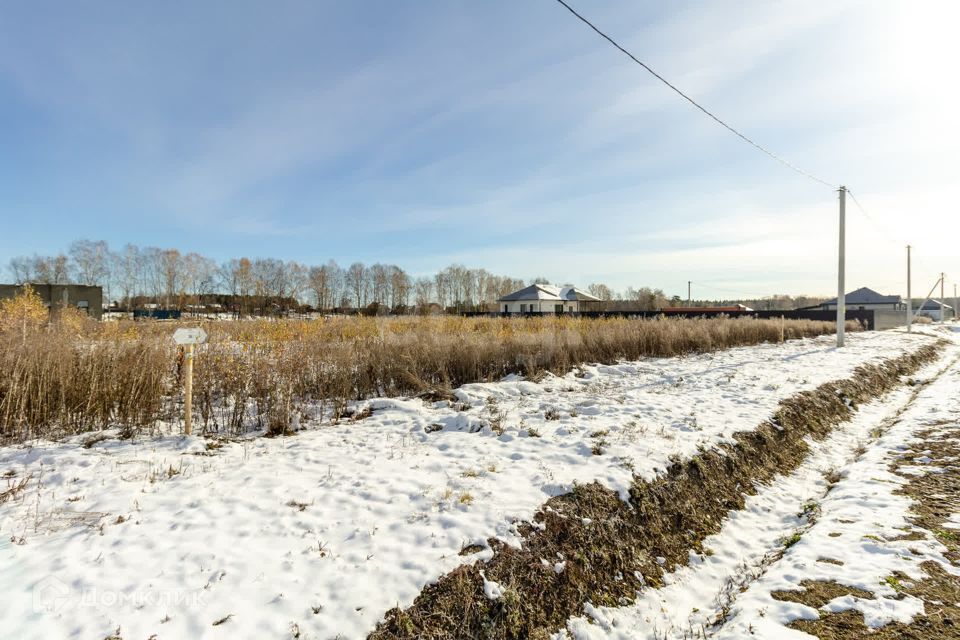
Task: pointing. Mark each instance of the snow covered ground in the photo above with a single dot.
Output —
(322, 532)
(805, 528)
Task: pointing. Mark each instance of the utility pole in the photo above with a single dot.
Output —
(909, 299)
(955, 310)
(689, 290)
(942, 309)
(841, 269)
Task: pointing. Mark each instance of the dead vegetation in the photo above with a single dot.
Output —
(14, 489)
(936, 497)
(613, 549)
(73, 375)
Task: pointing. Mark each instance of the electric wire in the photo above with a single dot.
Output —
(880, 228)
(696, 104)
(726, 126)
(884, 231)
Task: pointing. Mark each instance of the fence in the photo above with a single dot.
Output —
(865, 317)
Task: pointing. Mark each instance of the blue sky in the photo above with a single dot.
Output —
(503, 135)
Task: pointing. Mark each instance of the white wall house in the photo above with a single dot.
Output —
(867, 299)
(932, 310)
(546, 298)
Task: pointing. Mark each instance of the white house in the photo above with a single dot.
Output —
(867, 299)
(932, 310)
(546, 298)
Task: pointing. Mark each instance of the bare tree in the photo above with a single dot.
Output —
(335, 276)
(40, 269)
(270, 284)
(601, 291)
(356, 282)
(151, 269)
(645, 298)
(20, 269)
(91, 261)
(422, 293)
(324, 282)
(379, 275)
(236, 278)
(295, 276)
(171, 272)
(441, 285)
(400, 287)
(127, 270)
(59, 269)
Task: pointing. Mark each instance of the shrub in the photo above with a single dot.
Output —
(72, 376)
(25, 312)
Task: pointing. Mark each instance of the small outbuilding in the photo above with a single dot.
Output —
(547, 299)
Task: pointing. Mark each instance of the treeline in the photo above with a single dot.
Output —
(135, 277)
(775, 302)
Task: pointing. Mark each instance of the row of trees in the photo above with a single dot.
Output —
(134, 276)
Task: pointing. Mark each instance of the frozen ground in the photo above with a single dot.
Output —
(322, 532)
(804, 527)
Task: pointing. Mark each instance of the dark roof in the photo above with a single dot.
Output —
(865, 295)
(934, 305)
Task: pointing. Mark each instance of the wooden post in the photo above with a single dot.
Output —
(187, 338)
(783, 322)
(188, 393)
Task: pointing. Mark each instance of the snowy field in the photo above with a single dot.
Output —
(318, 534)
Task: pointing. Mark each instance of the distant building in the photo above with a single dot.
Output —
(156, 314)
(867, 299)
(57, 296)
(546, 298)
(932, 310)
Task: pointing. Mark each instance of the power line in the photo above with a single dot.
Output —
(695, 103)
(883, 230)
(872, 220)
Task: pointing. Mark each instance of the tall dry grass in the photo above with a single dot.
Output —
(74, 375)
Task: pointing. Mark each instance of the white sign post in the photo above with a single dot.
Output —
(188, 338)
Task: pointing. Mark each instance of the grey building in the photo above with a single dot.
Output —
(57, 296)
(932, 310)
(867, 299)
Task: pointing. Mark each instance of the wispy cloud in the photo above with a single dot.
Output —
(502, 135)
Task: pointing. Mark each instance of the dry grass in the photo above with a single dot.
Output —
(74, 375)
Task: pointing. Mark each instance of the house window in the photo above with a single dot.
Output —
(83, 304)
(523, 308)
(506, 308)
(558, 308)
